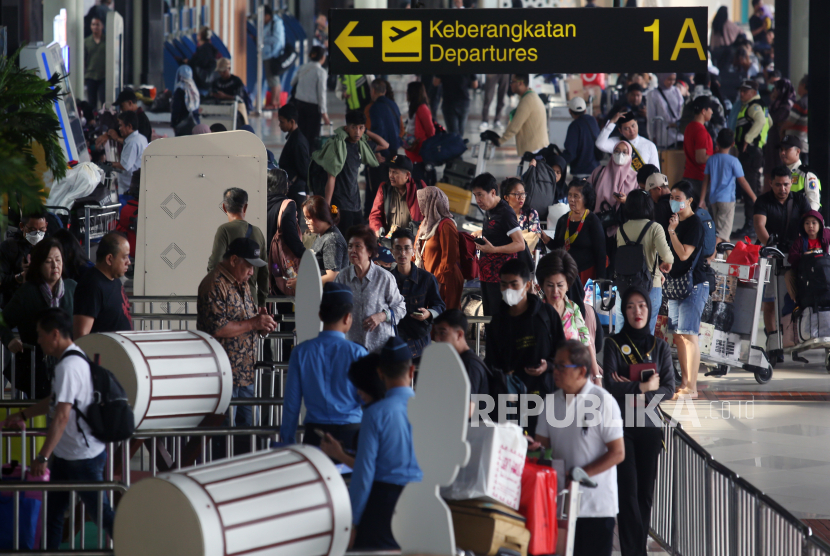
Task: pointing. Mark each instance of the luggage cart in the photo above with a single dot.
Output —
(568, 510)
(98, 221)
(752, 277)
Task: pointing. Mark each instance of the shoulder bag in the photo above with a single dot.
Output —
(281, 258)
(680, 288)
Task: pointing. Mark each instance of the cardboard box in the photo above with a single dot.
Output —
(574, 87)
(726, 345)
(707, 333)
(459, 198)
(673, 164)
(486, 527)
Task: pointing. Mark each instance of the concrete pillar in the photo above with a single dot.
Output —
(819, 123)
(799, 40)
(783, 32)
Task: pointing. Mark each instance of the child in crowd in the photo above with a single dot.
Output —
(722, 172)
(813, 237)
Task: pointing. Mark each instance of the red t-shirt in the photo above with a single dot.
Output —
(694, 138)
(813, 244)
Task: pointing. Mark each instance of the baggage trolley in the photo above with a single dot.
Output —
(754, 277)
(568, 510)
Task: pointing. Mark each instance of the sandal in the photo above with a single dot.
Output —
(685, 394)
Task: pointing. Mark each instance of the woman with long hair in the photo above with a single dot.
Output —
(724, 31)
(330, 246)
(418, 127)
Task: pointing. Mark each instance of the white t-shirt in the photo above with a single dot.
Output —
(578, 444)
(73, 381)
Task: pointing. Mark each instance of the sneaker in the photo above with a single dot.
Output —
(484, 126)
(499, 125)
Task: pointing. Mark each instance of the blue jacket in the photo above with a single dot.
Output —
(318, 373)
(273, 38)
(579, 145)
(419, 289)
(384, 449)
(385, 120)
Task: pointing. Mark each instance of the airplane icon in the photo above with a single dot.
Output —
(399, 34)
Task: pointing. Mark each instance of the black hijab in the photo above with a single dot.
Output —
(641, 338)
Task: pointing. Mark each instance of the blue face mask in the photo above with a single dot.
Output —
(677, 206)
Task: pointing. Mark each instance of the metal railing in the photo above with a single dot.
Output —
(702, 508)
(97, 222)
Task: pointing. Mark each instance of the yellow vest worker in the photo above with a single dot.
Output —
(803, 179)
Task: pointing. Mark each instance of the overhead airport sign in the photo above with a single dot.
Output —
(528, 40)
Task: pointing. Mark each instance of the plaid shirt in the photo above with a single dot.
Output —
(223, 300)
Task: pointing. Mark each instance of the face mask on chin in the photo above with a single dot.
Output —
(511, 297)
(35, 237)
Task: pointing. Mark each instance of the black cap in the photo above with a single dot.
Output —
(702, 103)
(401, 162)
(245, 248)
(749, 84)
(790, 141)
(124, 96)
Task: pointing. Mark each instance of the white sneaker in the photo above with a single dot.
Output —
(484, 126)
(499, 125)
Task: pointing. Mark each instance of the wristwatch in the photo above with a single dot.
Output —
(41, 458)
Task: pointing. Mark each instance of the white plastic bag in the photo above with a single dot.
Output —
(497, 459)
(79, 182)
(555, 212)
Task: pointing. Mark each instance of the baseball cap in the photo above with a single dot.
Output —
(124, 96)
(576, 104)
(245, 248)
(655, 181)
(790, 141)
(702, 103)
(401, 162)
(749, 84)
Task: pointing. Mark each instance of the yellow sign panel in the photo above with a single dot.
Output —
(401, 41)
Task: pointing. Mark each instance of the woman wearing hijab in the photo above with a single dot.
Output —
(666, 102)
(612, 184)
(631, 356)
(782, 100)
(436, 247)
(185, 97)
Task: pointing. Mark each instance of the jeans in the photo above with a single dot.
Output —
(684, 315)
(494, 81)
(95, 91)
(85, 470)
(455, 115)
(243, 413)
(656, 298)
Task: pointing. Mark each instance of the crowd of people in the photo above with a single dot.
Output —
(393, 261)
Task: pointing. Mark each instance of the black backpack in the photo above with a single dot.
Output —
(813, 280)
(631, 266)
(110, 417)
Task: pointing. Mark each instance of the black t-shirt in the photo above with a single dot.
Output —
(456, 87)
(756, 22)
(477, 372)
(588, 247)
(662, 212)
(104, 300)
(689, 232)
(144, 127)
(346, 193)
(776, 213)
(232, 86)
(501, 222)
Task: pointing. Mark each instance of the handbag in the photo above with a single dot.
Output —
(608, 216)
(681, 287)
(281, 258)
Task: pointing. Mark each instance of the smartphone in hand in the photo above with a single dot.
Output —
(646, 375)
(480, 241)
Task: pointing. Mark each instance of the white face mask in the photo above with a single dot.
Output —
(511, 297)
(35, 237)
(621, 159)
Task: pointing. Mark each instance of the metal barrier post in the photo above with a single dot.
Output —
(260, 45)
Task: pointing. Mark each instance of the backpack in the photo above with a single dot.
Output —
(110, 417)
(813, 279)
(280, 258)
(632, 268)
(467, 257)
(441, 148)
(710, 234)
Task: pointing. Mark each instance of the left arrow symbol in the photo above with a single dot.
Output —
(345, 41)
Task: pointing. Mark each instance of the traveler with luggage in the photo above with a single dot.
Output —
(814, 239)
(686, 286)
(580, 233)
(556, 274)
(528, 122)
(631, 356)
(385, 461)
(777, 223)
(383, 119)
(437, 247)
(803, 179)
(76, 454)
(318, 377)
(639, 243)
(309, 91)
(501, 239)
(418, 127)
(284, 241)
(596, 449)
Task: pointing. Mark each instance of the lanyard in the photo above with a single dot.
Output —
(645, 359)
(568, 239)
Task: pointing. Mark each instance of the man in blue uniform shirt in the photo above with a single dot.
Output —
(385, 460)
(318, 373)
